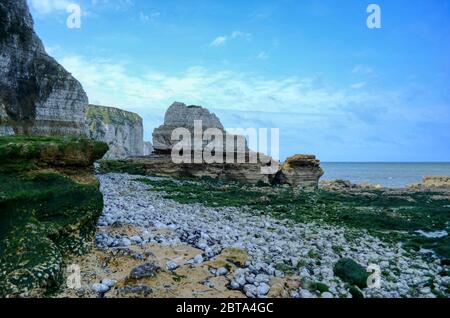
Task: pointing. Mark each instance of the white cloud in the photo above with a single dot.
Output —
(149, 18)
(358, 85)
(49, 6)
(111, 83)
(222, 40)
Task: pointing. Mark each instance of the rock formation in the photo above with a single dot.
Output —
(50, 203)
(435, 182)
(121, 130)
(148, 148)
(37, 95)
(300, 171)
(181, 116)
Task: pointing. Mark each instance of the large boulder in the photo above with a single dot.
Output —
(37, 95)
(122, 130)
(300, 171)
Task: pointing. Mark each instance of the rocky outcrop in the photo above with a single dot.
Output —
(121, 130)
(49, 202)
(345, 185)
(436, 182)
(162, 165)
(37, 95)
(180, 115)
(148, 148)
(245, 165)
(302, 171)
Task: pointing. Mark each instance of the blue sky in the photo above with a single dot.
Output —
(334, 87)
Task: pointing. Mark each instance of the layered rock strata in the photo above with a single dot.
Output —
(37, 95)
(122, 130)
(302, 171)
(49, 202)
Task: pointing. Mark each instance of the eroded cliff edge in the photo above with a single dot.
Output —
(37, 95)
(49, 205)
(122, 130)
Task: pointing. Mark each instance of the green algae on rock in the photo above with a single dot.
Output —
(392, 215)
(45, 215)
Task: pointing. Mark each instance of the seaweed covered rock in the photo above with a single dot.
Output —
(302, 171)
(351, 272)
(37, 95)
(49, 205)
(122, 130)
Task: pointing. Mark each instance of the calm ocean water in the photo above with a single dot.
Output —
(387, 174)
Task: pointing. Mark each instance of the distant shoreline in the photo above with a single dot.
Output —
(386, 174)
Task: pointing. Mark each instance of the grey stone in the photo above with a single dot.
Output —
(144, 271)
(100, 288)
(263, 289)
(221, 271)
(109, 282)
(171, 265)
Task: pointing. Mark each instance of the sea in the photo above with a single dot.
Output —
(393, 175)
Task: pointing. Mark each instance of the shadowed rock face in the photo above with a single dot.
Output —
(37, 95)
(121, 130)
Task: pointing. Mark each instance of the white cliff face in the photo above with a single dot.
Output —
(37, 95)
(121, 130)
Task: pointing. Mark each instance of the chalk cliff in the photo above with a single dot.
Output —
(37, 95)
(122, 130)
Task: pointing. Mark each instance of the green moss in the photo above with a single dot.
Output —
(110, 115)
(28, 152)
(43, 216)
(351, 272)
(389, 216)
(355, 292)
(320, 287)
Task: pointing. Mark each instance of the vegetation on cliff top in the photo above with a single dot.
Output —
(111, 115)
(44, 215)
